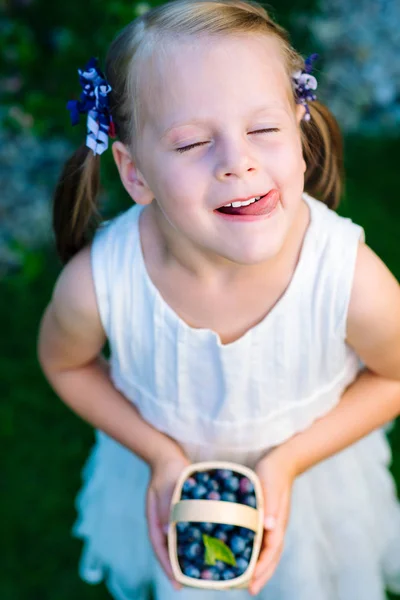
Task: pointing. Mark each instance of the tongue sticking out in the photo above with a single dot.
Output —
(263, 206)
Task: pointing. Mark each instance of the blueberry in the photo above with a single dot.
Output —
(193, 534)
(228, 574)
(228, 497)
(250, 500)
(213, 485)
(237, 544)
(182, 526)
(242, 564)
(210, 573)
(221, 535)
(246, 486)
(189, 485)
(202, 477)
(213, 496)
(220, 566)
(192, 571)
(184, 563)
(247, 534)
(207, 527)
(231, 484)
(199, 491)
(199, 561)
(226, 527)
(223, 474)
(247, 552)
(193, 550)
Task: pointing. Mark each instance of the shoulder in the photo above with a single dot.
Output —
(373, 320)
(74, 299)
(330, 224)
(80, 294)
(70, 332)
(114, 238)
(119, 223)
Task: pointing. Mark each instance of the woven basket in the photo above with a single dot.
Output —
(216, 512)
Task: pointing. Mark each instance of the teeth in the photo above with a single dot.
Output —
(245, 203)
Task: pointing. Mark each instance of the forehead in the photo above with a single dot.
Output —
(200, 77)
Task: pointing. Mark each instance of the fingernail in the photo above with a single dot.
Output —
(165, 528)
(269, 522)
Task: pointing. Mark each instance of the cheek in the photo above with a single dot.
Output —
(184, 183)
(164, 178)
(178, 193)
(288, 162)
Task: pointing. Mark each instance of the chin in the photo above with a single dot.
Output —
(267, 249)
(255, 256)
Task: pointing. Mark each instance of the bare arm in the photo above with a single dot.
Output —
(373, 330)
(71, 338)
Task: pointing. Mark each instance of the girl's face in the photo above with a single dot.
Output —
(219, 127)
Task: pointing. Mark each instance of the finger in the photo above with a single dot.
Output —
(270, 522)
(270, 554)
(271, 568)
(267, 563)
(158, 538)
(275, 526)
(261, 581)
(155, 532)
(270, 548)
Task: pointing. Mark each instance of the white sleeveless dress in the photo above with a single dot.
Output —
(234, 402)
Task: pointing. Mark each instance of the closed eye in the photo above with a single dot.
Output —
(185, 148)
(271, 129)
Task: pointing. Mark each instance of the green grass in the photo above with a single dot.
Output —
(45, 444)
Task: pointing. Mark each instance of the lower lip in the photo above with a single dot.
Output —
(266, 208)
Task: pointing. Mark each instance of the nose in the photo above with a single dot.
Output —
(234, 160)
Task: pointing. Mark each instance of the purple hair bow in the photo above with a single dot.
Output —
(94, 102)
(304, 84)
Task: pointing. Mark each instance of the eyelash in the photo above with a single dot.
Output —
(186, 148)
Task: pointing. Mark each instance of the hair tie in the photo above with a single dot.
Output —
(94, 102)
(304, 83)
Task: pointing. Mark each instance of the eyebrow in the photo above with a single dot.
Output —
(257, 110)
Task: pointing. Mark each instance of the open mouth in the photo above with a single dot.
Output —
(260, 206)
(239, 206)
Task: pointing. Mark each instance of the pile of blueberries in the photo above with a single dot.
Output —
(216, 484)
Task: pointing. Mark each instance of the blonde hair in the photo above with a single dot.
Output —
(75, 200)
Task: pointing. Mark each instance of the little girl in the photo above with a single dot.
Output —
(246, 320)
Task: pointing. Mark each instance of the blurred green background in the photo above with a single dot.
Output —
(44, 444)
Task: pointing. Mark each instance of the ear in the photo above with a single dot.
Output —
(300, 112)
(132, 179)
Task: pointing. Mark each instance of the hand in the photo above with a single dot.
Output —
(276, 476)
(164, 475)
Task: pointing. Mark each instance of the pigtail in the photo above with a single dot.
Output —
(75, 202)
(323, 153)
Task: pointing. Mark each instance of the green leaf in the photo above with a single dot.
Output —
(217, 550)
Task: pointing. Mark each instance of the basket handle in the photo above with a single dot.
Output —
(215, 511)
